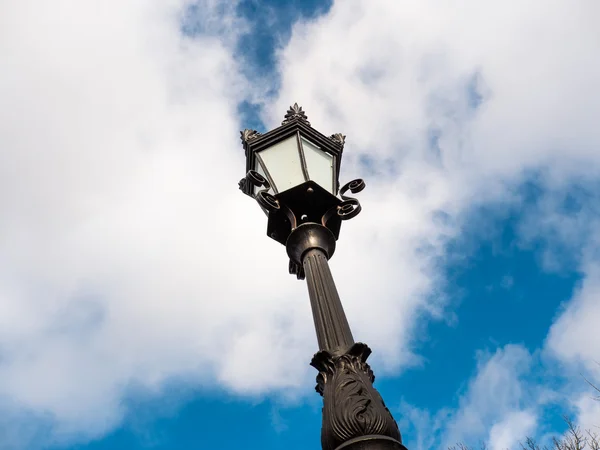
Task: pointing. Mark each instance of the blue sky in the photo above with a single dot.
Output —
(142, 305)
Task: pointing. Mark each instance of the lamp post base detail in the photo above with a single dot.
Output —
(354, 414)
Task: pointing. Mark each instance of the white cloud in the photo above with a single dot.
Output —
(588, 412)
(573, 337)
(493, 399)
(424, 427)
(498, 407)
(391, 70)
(127, 254)
(512, 430)
(573, 341)
(397, 76)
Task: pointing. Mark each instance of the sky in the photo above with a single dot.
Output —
(142, 305)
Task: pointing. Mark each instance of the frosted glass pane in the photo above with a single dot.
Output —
(260, 170)
(320, 165)
(283, 163)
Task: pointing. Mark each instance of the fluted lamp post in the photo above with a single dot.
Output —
(292, 172)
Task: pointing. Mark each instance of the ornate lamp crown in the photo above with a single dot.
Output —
(295, 113)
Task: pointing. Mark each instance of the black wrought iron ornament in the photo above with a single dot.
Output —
(295, 113)
(349, 207)
(339, 138)
(266, 201)
(353, 410)
(285, 214)
(243, 183)
(247, 135)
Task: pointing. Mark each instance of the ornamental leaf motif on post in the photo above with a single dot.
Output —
(352, 407)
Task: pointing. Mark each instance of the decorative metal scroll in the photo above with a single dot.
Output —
(267, 201)
(349, 207)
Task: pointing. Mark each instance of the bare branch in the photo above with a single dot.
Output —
(574, 440)
(596, 388)
(593, 440)
(558, 445)
(530, 444)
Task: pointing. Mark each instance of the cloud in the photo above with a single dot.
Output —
(426, 65)
(573, 337)
(127, 255)
(446, 107)
(588, 411)
(499, 406)
(512, 430)
(573, 342)
(424, 426)
(493, 401)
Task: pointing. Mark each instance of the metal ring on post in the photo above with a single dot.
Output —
(309, 236)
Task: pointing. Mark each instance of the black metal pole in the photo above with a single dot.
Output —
(354, 414)
(331, 325)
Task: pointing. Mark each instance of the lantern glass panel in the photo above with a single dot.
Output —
(282, 161)
(319, 164)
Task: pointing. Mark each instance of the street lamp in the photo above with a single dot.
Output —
(293, 173)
